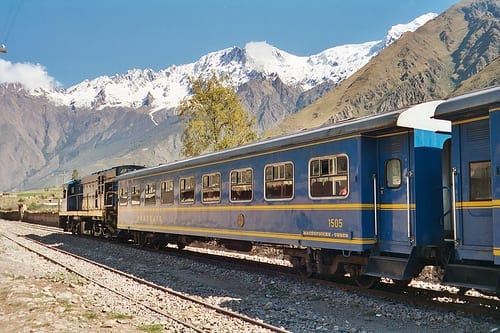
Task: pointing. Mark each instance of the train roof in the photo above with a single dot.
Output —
(416, 117)
(469, 105)
(124, 166)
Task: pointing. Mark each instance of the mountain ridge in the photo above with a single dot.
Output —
(427, 64)
(46, 140)
(165, 88)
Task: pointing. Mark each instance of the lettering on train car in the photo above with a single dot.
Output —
(335, 223)
(149, 219)
(343, 235)
(329, 234)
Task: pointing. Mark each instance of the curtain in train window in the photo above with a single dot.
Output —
(279, 181)
(480, 180)
(136, 195)
(186, 189)
(167, 192)
(211, 187)
(242, 185)
(123, 196)
(328, 176)
(150, 194)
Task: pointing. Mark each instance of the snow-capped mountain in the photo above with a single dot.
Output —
(167, 87)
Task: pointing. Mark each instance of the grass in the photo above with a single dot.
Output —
(90, 315)
(65, 277)
(14, 277)
(153, 328)
(114, 315)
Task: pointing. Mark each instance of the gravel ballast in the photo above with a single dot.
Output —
(38, 296)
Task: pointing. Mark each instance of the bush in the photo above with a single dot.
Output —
(33, 206)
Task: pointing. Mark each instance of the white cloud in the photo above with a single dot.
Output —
(31, 76)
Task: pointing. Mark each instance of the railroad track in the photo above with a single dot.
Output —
(101, 274)
(480, 305)
(439, 299)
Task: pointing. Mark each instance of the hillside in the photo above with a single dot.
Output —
(488, 76)
(430, 63)
(132, 117)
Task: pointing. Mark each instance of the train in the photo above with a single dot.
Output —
(380, 196)
(89, 204)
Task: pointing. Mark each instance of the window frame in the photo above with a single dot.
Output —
(386, 173)
(487, 178)
(284, 179)
(164, 198)
(123, 195)
(209, 188)
(337, 179)
(135, 194)
(241, 184)
(183, 190)
(150, 194)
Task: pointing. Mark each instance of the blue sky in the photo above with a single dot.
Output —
(69, 41)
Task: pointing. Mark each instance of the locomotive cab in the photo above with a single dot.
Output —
(90, 204)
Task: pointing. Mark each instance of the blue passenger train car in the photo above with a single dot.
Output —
(361, 197)
(475, 181)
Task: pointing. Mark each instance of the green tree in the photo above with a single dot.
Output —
(214, 117)
(75, 175)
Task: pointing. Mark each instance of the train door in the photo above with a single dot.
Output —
(393, 200)
(446, 179)
(473, 191)
(495, 175)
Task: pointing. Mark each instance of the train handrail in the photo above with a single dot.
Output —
(375, 203)
(408, 207)
(454, 172)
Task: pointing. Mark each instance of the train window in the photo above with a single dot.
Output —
(279, 181)
(393, 175)
(135, 196)
(241, 185)
(123, 196)
(150, 194)
(480, 180)
(211, 187)
(186, 189)
(328, 176)
(167, 192)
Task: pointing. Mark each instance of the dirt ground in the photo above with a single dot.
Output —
(36, 296)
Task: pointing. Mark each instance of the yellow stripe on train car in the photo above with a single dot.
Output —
(253, 234)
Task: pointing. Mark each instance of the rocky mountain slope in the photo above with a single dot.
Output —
(456, 51)
(131, 117)
(42, 143)
(258, 60)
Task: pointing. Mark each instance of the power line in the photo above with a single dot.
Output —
(12, 13)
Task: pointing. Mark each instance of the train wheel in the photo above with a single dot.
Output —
(367, 281)
(401, 283)
(76, 228)
(300, 266)
(97, 230)
(159, 244)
